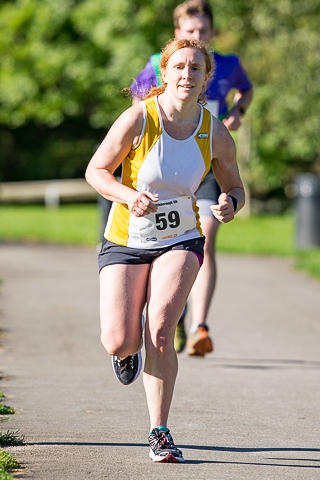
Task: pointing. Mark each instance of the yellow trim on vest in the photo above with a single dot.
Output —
(136, 157)
(130, 168)
(196, 211)
(204, 144)
(122, 227)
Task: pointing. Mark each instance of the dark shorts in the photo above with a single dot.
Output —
(209, 189)
(111, 253)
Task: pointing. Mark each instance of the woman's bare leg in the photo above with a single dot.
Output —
(171, 278)
(123, 293)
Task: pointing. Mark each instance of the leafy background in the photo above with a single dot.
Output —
(65, 63)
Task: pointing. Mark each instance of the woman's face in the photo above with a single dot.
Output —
(185, 74)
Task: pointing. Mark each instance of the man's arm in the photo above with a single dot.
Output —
(241, 101)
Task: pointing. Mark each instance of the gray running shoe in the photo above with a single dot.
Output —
(162, 447)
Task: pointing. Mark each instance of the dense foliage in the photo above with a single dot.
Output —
(65, 64)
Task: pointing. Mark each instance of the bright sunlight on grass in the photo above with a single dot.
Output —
(79, 225)
(258, 234)
(68, 224)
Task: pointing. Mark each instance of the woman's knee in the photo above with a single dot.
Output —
(118, 345)
(109, 342)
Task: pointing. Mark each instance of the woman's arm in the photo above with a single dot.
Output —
(123, 134)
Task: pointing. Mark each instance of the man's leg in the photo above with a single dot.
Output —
(199, 343)
(204, 286)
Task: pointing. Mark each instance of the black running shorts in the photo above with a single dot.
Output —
(111, 253)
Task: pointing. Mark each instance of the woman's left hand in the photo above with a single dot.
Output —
(224, 211)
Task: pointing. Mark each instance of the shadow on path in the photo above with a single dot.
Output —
(264, 364)
(209, 448)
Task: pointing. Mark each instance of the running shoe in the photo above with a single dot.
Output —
(127, 369)
(162, 447)
(180, 336)
(199, 343)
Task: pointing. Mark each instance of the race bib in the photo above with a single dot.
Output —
(173, 218)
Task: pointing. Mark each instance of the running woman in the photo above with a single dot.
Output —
(153, 246)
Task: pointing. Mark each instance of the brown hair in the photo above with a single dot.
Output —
(176, 44)
(192, 8)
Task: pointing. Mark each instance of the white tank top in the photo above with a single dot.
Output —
(170, 169)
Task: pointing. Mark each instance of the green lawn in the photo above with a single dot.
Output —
(79, 225)
(68, 224)
(258, 234)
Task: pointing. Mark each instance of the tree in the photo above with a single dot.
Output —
(65, 65)
(280, 46)
(67, 59)
(64, 68)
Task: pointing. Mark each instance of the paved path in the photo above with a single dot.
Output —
(250, 411)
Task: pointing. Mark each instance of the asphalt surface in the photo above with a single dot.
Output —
(248, 411)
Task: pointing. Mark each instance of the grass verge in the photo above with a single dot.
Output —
(5, 410)
(8, 439)
(7, 461)
(11, 439)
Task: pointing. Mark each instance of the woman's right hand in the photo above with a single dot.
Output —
(142, 203)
